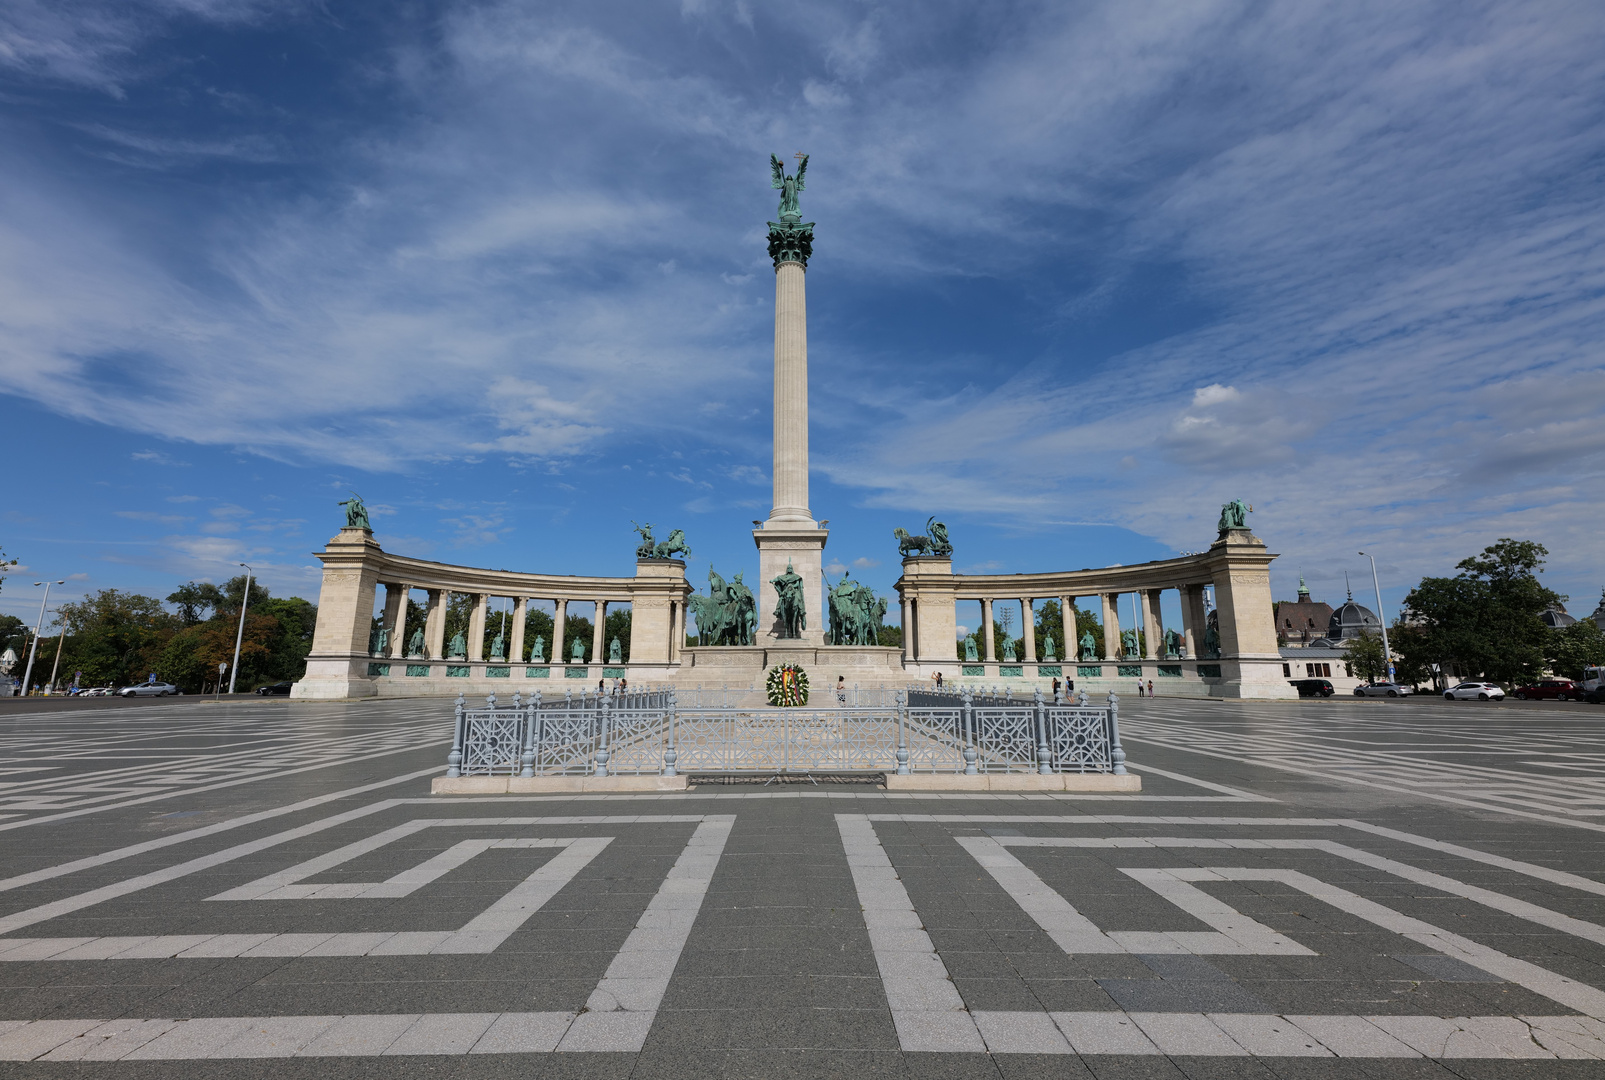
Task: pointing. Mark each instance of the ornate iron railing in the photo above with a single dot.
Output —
(652, 733)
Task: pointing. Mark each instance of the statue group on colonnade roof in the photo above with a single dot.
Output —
(649, 548)
(935, 541)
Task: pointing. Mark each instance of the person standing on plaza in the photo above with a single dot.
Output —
(1055, 689)
(1150, 688)
(1139, 688)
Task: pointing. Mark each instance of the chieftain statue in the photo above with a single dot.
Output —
(855, 613)
(728, 615)
(356, 513)
(1234, 515)
(790, 607)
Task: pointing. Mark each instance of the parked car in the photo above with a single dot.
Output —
(95, 691)
(1313, 687)
(278, 689)
(1482, 691)
(1595, 696)
(149, 689)
(1383, 689)
(1559, 689)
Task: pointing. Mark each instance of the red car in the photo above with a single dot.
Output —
(1559, 689)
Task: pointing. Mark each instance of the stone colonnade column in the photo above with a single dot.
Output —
(1111, 625)
(598, 634)
(435, 624)
(1069, 648)
(1028, 622)
(396, 619)
(676, 630)
(1193, 620)
(515, 651)
(910, 646)
(989, 654)
(559, 628)
(1153, 646)
(476, 627)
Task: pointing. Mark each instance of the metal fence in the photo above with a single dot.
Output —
(652, 733)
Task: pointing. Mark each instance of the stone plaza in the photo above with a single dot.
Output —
(1301, 889)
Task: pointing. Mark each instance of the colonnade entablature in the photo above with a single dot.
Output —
(349, 655)
(1233, 648)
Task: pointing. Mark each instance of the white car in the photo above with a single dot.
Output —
(94, 691)
(1382, 689)
(148, 689)
(1482, 691)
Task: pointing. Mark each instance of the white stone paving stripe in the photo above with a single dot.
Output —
(926, 1008)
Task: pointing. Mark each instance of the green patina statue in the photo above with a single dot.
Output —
(1212, 636)
(935, 541)
(378, 640)
(458, 649)
(668, 549)
(728, 615)
(1173, 644)
(643, 550)
(789, 239)
(1089, 646)
(1009, 655)
(1128, 643)
(577, 654)
(791, 608)
(855, 613)
(415, 645)
(615, 652)
(1047, 647)
(498, 648)
(537, 651)
(356, 513)
(970, 656)
(1234, 515)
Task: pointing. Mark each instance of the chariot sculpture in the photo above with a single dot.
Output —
(935, 541)
(649, 548)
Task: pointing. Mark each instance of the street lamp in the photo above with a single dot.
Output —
(27, 676)
(239, 634)
(1387, 655)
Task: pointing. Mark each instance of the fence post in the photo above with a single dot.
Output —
(669, 755)
(969, 735)
(1043, 754)
(1117, 753)
(601, 754)
(454, 760)
(527, 760)
(902, 733)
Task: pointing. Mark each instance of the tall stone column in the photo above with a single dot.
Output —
(910, 646)
(990, 652)
(1069, 648)
(476, 627)
(559, 628)
(1111, 625)
(1028, 623)
(791, 537)
(1152, 631)
(515, 651)
(599, 634)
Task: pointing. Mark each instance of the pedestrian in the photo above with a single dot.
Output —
(1055, 689)
(1150, 688)
(1139, 688)
(841, 689)
(601, 686)
(939, 680)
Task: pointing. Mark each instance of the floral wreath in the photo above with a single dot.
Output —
(787, 685)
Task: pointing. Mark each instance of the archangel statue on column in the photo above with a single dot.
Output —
(788, 186)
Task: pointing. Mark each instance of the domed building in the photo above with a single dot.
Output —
(1350, 621)
(1556, 618)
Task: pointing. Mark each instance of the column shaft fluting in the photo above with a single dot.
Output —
(791, 395)
(989, 651)
(599, 634)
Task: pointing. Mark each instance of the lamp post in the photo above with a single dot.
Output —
(239, 635)
(33, 653)
(1387, 655)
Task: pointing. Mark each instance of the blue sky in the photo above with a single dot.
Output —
(1082, 273)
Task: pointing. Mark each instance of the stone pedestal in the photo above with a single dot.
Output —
(802, 544)
(927, 591)
(1251, 662)
(337, 666)
(655, 606)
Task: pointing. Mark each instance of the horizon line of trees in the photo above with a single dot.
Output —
(118, 638)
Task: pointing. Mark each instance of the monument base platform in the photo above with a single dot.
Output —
(1131, 782)
(538, 785)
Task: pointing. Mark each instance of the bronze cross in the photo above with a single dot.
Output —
(799, 155)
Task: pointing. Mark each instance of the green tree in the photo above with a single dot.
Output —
(1574, 647)
(891, 636)
(1485, 620)
(195, 599)
(1365, 656)
(113, 637)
